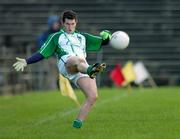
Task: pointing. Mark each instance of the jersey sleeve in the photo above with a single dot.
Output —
(48, 47)
(93, 43)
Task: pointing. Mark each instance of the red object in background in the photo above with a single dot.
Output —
(117, 75)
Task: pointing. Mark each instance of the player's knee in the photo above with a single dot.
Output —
(80, 60)
(92, 98)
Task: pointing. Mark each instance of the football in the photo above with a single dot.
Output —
(119, 40)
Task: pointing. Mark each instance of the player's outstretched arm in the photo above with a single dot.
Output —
(21, 63)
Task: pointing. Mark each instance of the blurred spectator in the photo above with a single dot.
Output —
(53, 23)
(53, 26)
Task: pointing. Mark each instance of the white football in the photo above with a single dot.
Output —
(119, 40)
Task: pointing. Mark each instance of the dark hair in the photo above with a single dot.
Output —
(68, 14)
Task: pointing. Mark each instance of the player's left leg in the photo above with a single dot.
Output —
(89, 88)
(75, 64)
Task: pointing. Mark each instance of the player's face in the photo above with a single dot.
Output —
(69, 25)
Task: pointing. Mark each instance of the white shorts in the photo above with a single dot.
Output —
(62, 69)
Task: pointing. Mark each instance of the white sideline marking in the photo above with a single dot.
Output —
(54, 116)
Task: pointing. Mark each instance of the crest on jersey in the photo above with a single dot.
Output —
(79, 38)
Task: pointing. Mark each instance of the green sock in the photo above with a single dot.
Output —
(89, 69)
(77, 123)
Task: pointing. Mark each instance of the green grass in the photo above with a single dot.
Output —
(141, 114)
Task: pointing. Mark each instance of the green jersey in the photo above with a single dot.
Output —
(76, 44)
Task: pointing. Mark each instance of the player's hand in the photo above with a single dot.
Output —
(20, 64)
(105, 34)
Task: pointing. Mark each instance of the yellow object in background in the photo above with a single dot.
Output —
(66, 89)
(128, 72)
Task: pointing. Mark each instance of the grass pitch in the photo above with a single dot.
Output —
(118, 114)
